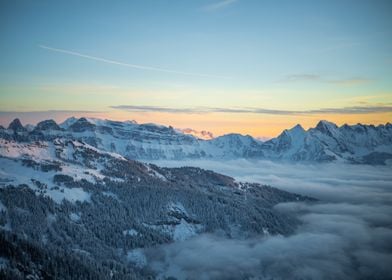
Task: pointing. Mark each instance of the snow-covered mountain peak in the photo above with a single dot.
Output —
(288, 142)
(16, 125)
(82, 125)
(296, 131)
(68, 122)
(47, 125)
(298, 127)
(327, 128)
(293, 133)
(324, 125)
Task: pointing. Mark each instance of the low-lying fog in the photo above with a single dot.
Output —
(347, 235)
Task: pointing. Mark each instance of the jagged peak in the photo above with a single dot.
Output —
(297, 128)
(47, 125)
(68, 122)
(82, 124)
(324, 125)
(346, 126)
(16, 125)
(82, 119)
(295, 133)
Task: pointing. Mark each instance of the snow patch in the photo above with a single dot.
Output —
(2, 207)
(177, 207)
(70, 194)
(179, 232)
(74, 217)
(137, 257)
(4, 263)
(131, 232)
(155, 173)
(184, 230)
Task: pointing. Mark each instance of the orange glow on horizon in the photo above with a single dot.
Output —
(256, 125)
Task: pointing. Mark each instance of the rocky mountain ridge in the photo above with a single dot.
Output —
(326, 142)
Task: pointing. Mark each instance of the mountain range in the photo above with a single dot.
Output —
(326, 142)
(72, 208)
(78, 200)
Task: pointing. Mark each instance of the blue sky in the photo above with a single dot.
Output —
(278, 55)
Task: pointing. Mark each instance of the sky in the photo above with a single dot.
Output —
(246, 66)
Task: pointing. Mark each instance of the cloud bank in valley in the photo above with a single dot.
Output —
(347, 235)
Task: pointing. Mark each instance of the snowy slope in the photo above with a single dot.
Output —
(71, 172)
(36, 164)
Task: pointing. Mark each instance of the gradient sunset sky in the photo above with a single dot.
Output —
(247, 66)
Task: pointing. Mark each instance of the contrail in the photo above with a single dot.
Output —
(135, 66)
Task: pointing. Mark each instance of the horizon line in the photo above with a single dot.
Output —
(259, 137)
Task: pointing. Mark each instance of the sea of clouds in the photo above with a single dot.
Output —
(346, 235)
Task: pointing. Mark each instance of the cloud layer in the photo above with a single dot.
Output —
(317, 78)
(347, 235)
(246, 110)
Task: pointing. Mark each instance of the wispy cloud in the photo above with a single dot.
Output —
(129, 65)
(350, 82)
(247, 110)
(301, 77)
(219, 5)
(318, 78)
(339, 46)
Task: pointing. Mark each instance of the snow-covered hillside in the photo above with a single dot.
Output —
(81, 205)
(61, 168)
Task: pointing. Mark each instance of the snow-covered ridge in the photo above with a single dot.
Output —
(326, 142)
(44, 165)
(65, 194)
(70, 170)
